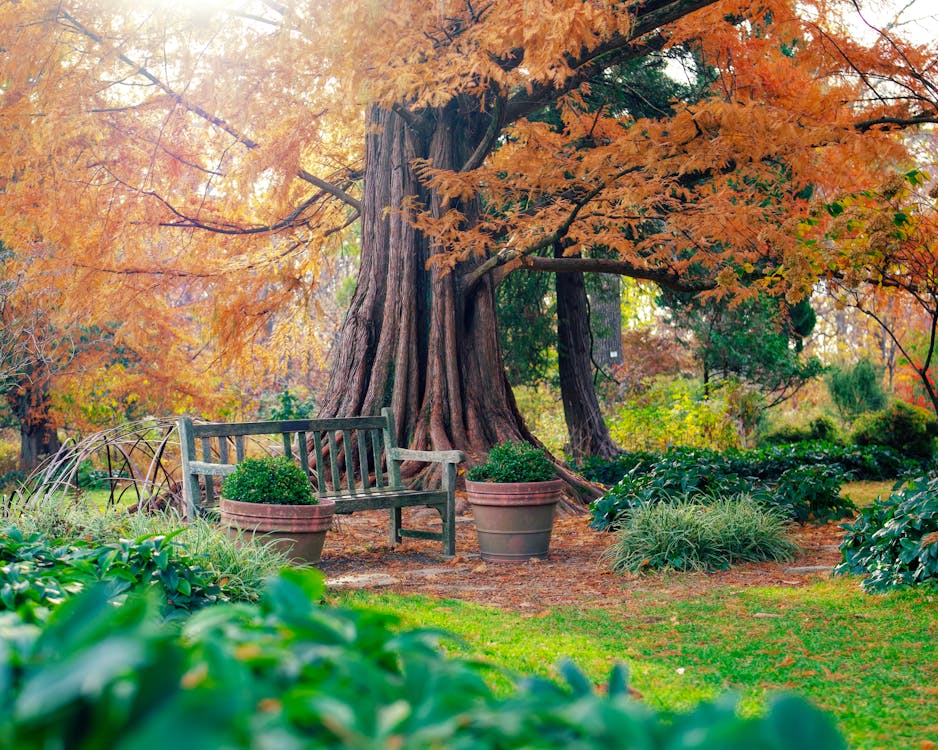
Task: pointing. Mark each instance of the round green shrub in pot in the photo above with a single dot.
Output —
(513, 496)
(273, 496)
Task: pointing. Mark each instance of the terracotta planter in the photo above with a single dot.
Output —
(298, 530)
(514, 521)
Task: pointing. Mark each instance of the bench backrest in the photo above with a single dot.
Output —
(349, 456)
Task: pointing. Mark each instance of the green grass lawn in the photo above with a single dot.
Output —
(865, 493)
(872, 661)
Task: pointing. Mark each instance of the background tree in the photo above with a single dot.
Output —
(887, 242)
(856, 389)
(758, 341)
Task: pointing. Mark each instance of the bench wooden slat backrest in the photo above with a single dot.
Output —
(349, 456)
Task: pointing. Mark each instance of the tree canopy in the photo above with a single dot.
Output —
(215, 154)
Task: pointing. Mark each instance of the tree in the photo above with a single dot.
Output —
(758, 341)
(222, 151)
(886, 239)
(857, 389)
(26, 368)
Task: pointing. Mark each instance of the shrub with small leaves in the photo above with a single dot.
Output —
(274, 480)
(514, 462)
(908, 429)
(818, 429)
(894, 542)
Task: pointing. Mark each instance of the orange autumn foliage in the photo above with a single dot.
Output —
(199, 166)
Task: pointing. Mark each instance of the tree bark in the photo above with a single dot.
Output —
(588, 433)
(39, 436)
(414, 338)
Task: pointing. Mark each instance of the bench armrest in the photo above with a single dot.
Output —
(443, 457)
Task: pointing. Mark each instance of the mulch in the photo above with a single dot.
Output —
(357, 555)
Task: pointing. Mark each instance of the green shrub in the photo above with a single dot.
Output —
(675, 411)
(9, 452)
(243, 565)
(611, 470)
(793, 481)
(818, 429)
(692, 535)
(908, 429)
(275, 480)
(811, 493)
(288, 673)
(856, 390)
(872, 462)
(894, 542)
(514, 462)
(39, 574)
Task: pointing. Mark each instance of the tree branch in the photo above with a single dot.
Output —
(662, 277)
(195, 109)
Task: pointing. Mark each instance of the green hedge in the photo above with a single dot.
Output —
(37, 574)
(799, 483)
(288, 673)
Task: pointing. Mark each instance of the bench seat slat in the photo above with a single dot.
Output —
(350, 504)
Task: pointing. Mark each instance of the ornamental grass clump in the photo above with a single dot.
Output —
(514, 462)
(703, 536)
(274, 480)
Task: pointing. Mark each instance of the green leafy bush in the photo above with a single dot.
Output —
(894, 542)
(818, 429)
(513, 462)
(789, 480)
(611, 470)
(275, 480)
(802, 478)
(856, 390)
(691, 535)
(288, 673)
(811, 493)
(676, 410)
(244, 564)
(908, 429)
(39, 574)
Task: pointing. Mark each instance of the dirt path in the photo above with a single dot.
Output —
(356, 555)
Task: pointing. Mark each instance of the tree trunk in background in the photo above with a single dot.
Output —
(605, 314)
(589, 435)
(39, 437)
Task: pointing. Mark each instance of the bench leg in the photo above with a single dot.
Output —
(395, 535)
(449, 531)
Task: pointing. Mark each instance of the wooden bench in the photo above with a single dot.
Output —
(355, 462)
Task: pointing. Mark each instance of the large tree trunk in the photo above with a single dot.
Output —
(588, 433)
(413, 339)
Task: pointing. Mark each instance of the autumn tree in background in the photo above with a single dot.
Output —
(225, 150)
(886, 240)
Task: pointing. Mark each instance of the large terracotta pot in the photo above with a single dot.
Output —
(297, 530)
(514, 520)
